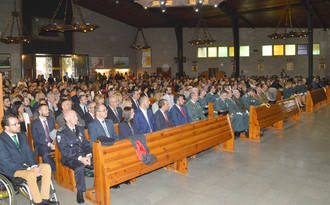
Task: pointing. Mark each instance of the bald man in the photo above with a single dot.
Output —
(75, 150)
(66, 105)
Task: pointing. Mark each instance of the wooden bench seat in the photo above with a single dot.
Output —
(315, 99)
(64, 176)
(119, 163)
(272, 116)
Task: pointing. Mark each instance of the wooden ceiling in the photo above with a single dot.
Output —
(252, 13)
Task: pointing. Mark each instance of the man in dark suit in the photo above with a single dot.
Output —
(101, 126)
(90, 115)
(161, 116)
(41, 128)
(17, 160)
(178, 113)
(114, 112)
(143, 118)
(135, 95)
(75, 150)
(81, 108)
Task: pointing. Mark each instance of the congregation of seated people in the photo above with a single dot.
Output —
(61, 111)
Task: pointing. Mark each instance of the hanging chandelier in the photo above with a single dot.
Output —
(15, 18)
(75, 25)
(202, 36)
(289, 32)
(140, 41)
(163, 4)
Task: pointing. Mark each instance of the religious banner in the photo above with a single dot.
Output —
(146, 58)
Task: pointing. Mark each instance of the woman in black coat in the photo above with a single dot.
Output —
(127, 128)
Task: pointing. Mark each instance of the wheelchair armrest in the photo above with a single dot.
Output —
(17, 181)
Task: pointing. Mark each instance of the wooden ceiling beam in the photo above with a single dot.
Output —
(223, 6)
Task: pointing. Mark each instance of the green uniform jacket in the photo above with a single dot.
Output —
(248, 101)
(195, 111)
(239, 118)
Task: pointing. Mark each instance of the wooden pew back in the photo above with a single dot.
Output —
(272, 116)
(118, 163)
(315, 98)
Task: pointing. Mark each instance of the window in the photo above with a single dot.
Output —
(223, 51)
(316, 49)
(231, 51)
(267, 50)
(212, 52)
(244, 51)
(278, 50)
(202, 52)
(290, 50)
(302, 49)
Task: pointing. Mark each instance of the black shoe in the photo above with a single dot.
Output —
(115, 187)
(80, 197)
(127, 182)
(49, 202)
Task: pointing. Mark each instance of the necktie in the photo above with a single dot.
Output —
(47, 132)
(184, 115)
(116, 113)
(15, 140)
(168, 124)
(85, 110)
(105, 129)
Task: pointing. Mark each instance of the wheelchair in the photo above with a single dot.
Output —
(10, 187)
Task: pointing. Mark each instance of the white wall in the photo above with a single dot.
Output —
(14, 50)
(163, 45)
(113, 38)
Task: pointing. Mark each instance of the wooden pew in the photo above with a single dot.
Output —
(119, 163)
(272, 116)
(279, 95)
(64, 176)
(328, 93)
(315, 98)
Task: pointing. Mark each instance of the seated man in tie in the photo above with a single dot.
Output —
(75, 150)
(41, 129)
(81, 108)
(178, 113)
(101, 127)
(17, 160)
(90, 115)
(161, 116)
(143, 118)
(114, 111)
(135, 95)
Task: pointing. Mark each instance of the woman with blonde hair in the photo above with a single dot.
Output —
(99, 99)
(155, 106)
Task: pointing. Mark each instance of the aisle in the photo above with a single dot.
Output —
(287, 167)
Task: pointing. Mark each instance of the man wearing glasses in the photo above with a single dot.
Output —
(100, 126)
(17, 160)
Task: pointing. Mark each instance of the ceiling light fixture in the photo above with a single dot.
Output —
(15, 18)
(289, 32)
(163, 4)
(75, 25)
(202, 36)
(140, 41)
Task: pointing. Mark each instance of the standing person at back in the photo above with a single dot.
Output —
(178, 113)
(162, 118)
(101, 127)
(169, 97)
(143, 118)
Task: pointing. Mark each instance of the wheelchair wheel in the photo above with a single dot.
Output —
(7, 193)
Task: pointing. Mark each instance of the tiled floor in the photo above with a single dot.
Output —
(288, 167)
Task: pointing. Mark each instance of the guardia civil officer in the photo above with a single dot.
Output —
(75, 150)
